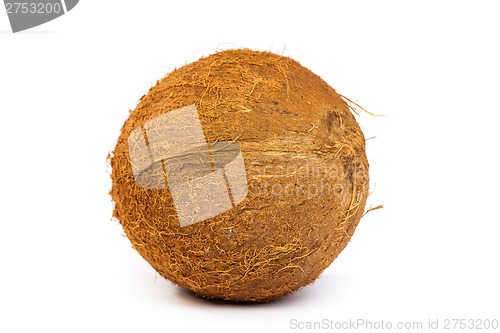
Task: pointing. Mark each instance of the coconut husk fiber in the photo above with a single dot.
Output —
(298, 161)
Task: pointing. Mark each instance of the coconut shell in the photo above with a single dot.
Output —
(267, 134)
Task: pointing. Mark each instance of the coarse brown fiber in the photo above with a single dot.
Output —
(306, 168)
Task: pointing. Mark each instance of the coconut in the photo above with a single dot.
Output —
(241, 176)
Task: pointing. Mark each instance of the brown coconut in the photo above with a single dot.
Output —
(303, 156)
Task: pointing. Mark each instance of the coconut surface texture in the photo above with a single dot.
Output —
(241, 176)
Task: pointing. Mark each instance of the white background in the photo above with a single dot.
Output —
(66, 87)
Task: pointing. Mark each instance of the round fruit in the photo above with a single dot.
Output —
(240, 176)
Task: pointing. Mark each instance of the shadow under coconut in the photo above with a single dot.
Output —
(324, 289)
